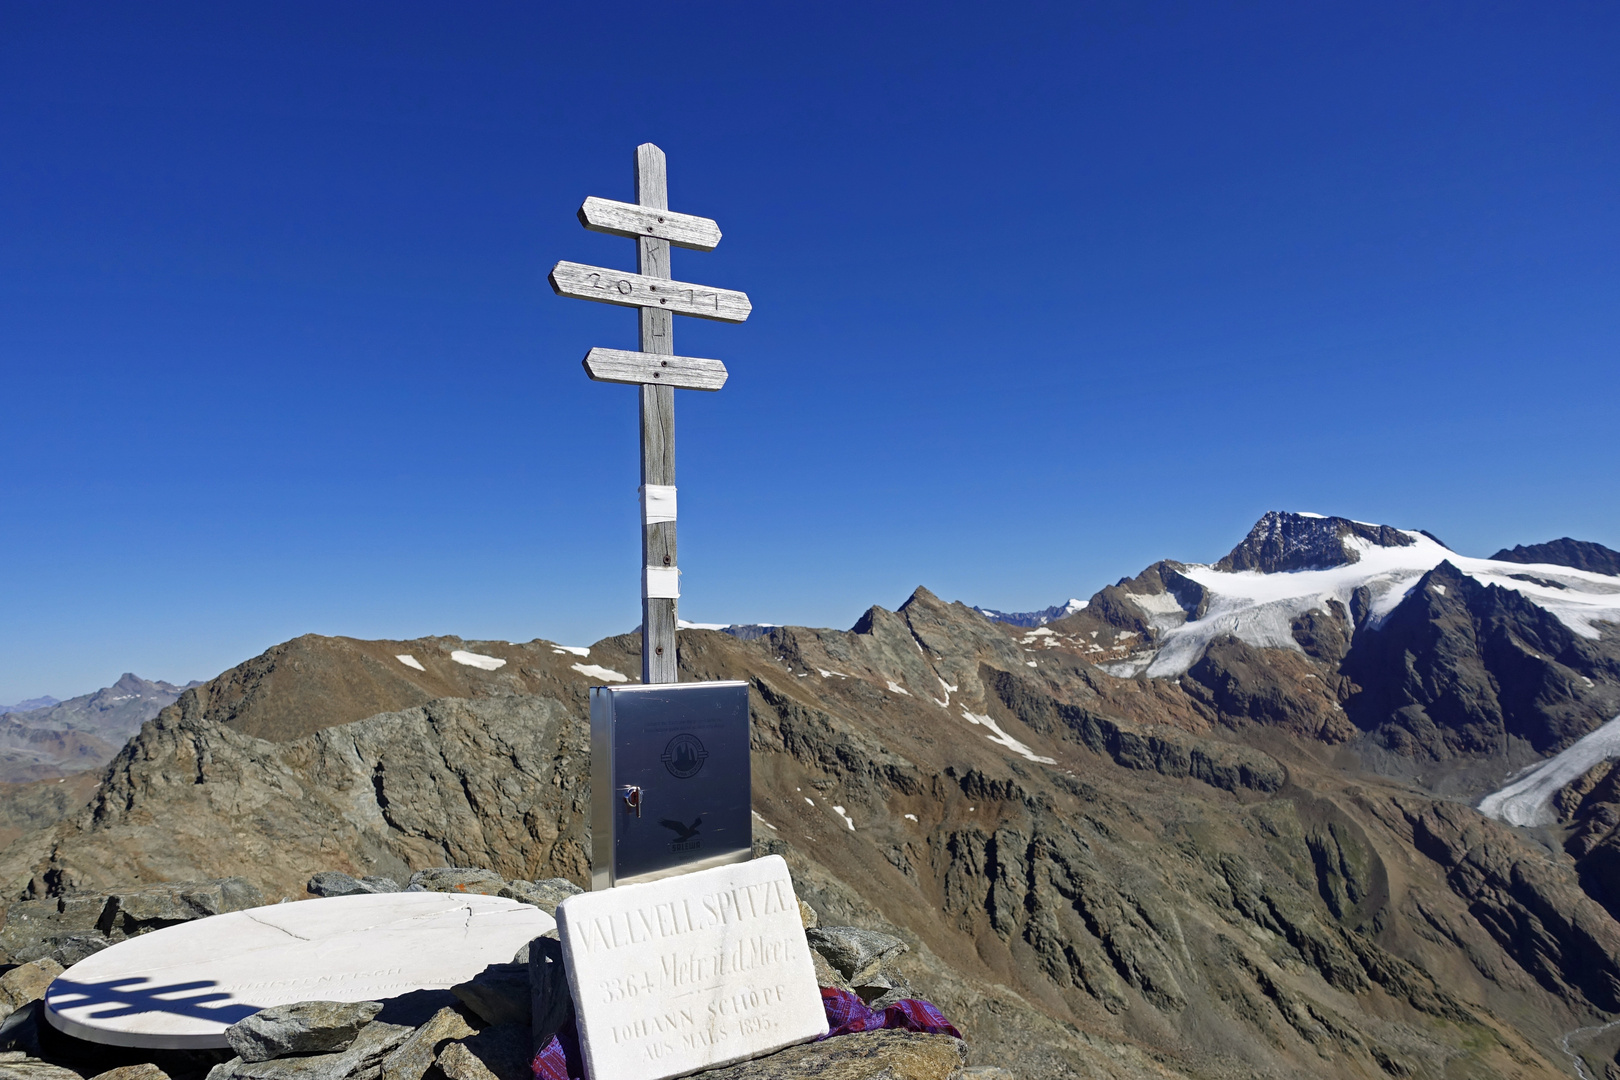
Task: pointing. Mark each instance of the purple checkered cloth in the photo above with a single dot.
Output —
(846, 1014)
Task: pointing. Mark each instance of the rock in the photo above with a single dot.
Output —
(361, 1061)
(30, 1068)
(871, 1055)
(65, 929)
(497, 995)
(853, 951)
(807, 915)
(986, 1072)
(416, 1055)
(303, 1027)
(336, 883)
(26, 983)
(501, 1052)
(152, 907)
(459, 1063)
(458, 879)
(20, 1030)
(826, 974)
(143, 1071)
(545, 895)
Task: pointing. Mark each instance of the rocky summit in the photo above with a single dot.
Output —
(1219, 822)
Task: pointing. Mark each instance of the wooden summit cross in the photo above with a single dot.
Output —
(656, 369)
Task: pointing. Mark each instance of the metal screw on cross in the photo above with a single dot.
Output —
(656, 369)
(678, 753)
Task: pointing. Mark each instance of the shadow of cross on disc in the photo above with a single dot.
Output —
(130, 995)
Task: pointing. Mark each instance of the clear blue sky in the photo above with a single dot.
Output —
(1042, 293)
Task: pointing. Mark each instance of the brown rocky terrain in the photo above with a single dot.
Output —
(1241, 870)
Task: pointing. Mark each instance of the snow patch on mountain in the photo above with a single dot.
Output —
(1260, 608)
(1528, 799)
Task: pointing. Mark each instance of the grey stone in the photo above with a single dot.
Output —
(304, 1027)
(337, 883)
(26, 983)
(30, 1068)
(852, 951)
(20, 1030)
(826, 974)
(871, 1055)
(361, 1061)
(151, 907)
(986, 1072)
(416, 1055)
(459, 1063)
(458, 879)
(545, 895)
(501, 1052)
(65, 929)
(143, 1071)
(497, 995)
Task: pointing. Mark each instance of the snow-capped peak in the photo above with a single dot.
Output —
(1034, 618)
(1373, 569)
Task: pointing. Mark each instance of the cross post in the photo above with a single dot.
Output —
(655, 369)
(658, 613)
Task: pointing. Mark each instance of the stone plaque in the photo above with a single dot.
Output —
(181, 987)
(687, 973)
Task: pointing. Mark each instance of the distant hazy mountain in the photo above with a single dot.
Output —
(1033, 618)
(30, 705)
(62, 737)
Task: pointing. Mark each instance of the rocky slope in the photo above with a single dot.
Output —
(1246, 866)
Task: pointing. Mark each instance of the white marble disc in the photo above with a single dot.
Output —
(181, 987)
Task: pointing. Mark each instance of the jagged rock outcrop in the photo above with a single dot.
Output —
(1280, 542)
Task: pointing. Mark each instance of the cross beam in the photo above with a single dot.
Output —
(655, 369)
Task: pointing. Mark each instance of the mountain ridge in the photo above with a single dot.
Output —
(1257, 864)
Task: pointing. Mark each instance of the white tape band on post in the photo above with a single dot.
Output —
(657, 503)
(661, 582)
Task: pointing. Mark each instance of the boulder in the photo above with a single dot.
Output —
(457, 879)
(871, 1055)
(497, 995)
(143, 1071)
(15, 1065)
(151, 907)
(853, 952)
(416, 1055)
(19, 1032)
(337, 883)
(303, 1027)
(496, 1053)
(545, 895)
(361, 1061)
(26, 983)
(65, 929)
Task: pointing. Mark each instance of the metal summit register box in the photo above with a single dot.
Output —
(674, 757)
